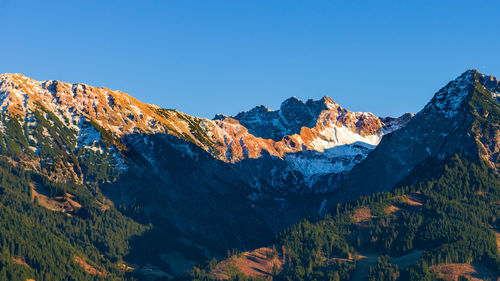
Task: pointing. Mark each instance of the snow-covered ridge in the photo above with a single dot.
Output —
(113, 110)
(320, 125)
(314, 125)
(295, 114)
(450, 98)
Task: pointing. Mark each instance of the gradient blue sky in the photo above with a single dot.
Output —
(207, 57)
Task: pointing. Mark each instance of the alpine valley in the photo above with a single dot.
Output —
(97, 185)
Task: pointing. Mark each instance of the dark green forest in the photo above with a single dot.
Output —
(47, 242)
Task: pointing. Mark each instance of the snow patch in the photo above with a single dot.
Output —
(88, 136)
(338, 159)
(335, 136)
(449, 99)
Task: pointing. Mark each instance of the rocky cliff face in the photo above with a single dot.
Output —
(97, 119)
(295, 114)
(317, 125)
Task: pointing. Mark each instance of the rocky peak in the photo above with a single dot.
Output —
(294, 115)
(291, 102)
(220, 116)
(492, 84)
(448, 100)
(392, 124)
(260, 109)
(460, 118)
(113, 110)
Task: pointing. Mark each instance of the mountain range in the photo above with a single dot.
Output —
(175, 189)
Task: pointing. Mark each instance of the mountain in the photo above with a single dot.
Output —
(422, 205)
(463, 117)
(294, 114)
(159, 166)
(114, 184)
(318, 138)
(315, 139)
(89, 111)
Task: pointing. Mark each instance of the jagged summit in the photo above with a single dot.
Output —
(294, 115)
(296, 126)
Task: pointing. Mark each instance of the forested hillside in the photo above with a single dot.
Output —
(87, 243)
(447, 215)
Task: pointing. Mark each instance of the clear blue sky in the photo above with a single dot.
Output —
(207, 57)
